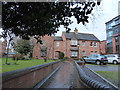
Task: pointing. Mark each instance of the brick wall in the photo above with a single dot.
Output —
(103, 47)
(27, 77)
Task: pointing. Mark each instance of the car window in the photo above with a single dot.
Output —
(118, 55)
(111, 56)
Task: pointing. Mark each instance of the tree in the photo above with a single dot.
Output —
(8, 36)
(23, 47)
(26, 19)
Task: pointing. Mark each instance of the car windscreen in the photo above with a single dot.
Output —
(103, 56)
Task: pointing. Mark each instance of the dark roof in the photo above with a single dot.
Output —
(57, 38)
(81, 36)
(117, 17)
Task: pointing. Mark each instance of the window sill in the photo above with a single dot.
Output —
(74, 56)
(74, 45)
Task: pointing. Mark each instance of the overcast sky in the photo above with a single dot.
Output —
(102, 14)
(107, 10)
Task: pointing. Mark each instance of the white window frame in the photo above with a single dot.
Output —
(74, 42)
(57, 44)
(83, 53)
(74, 53)
(95, 44)
(83, 43)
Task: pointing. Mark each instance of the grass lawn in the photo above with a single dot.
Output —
(20, 64)
(111, 76)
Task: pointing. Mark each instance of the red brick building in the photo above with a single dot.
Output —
(103, 47)
(72, 44)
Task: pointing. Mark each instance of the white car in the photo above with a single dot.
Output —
(96, 58)
(113, 58)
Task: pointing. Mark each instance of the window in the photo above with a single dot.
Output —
(95, 51)
(117, 21)
(57, 44)
(108, 26)
(74, 53)
(74, 42)
(95, 44)
(43, 51)
(110, 33)
(91, 52)
(91, 43)
(116, 31)
(83, 53)
(83, 43)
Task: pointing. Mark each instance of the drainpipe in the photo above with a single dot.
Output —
(66, 47)
(78, 50)
(53, 49)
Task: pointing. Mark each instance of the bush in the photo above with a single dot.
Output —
(26, 58)
(61, 55)
(66, 58)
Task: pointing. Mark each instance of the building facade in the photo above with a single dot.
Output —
(113, 36)
(103, 47)
(72, 44)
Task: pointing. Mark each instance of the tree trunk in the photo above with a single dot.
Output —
(7, 52)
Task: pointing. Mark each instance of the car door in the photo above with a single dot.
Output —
(94, 58)
(91, 58)
(110, 58)
(87, 59)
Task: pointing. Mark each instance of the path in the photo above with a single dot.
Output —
(66, 77)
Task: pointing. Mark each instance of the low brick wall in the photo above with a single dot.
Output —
(91, 79)
(27, 77)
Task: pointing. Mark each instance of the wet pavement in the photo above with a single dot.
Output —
(104, 67)
(66, 77)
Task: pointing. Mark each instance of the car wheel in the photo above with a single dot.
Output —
(114, 62)
(98, 62)
(84, 60)
(104, 63)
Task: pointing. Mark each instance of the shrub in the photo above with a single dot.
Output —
(66, 58)
(26, 58)
(61, 55)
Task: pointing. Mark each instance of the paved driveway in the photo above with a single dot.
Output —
(107, 67)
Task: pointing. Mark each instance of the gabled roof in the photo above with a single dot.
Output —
(57, 38)
(80, 36)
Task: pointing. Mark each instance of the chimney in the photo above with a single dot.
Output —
(76, 30)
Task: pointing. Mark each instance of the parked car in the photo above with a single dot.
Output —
(113, 58)
(96, 58)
